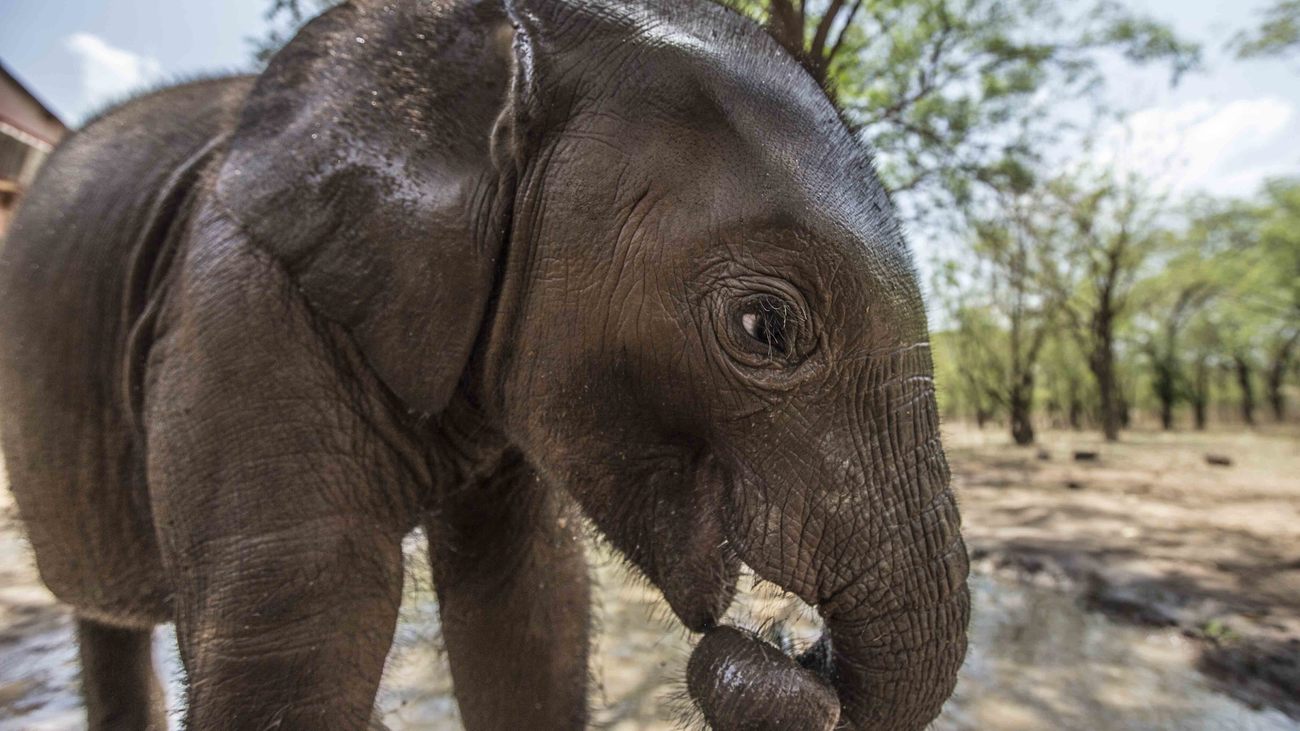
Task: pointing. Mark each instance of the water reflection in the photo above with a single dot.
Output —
(1038, 661)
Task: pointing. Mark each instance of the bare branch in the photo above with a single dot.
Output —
(818, 49)
(844, 31)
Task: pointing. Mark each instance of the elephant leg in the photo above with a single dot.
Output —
(513, 595)
(295, 641)
(118, 682)
(280, 501)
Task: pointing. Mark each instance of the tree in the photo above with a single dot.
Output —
(1249, 253)
(1241, 334)
(1281, 358)
(1111, 233)
(1273, 289)
(1162, 347)
(1185, 281)
(1003, 314)
(1204, 347)
(1065, 379)
(956, 96)
(1278, 32)
(970, 372)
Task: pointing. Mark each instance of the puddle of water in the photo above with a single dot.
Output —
(1036, 661)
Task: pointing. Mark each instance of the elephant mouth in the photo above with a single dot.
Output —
(764, 660)
(882, 646)
(780, 618)
(768, 665)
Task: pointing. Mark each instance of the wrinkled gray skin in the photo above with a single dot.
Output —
(480, 267)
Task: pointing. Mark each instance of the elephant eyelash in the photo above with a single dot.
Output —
(768, 330)
(758, 324)
(764, 330)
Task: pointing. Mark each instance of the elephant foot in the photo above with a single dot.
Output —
(741, 682)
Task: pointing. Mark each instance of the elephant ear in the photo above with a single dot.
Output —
(375, 160)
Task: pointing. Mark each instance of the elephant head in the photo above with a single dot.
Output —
(711, 333)
(675, 284)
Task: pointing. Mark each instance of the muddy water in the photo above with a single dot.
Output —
(1036, 662)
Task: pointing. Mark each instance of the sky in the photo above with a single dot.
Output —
(1221, 131)
(78, 55)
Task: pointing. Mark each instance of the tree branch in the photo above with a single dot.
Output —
(844, 31)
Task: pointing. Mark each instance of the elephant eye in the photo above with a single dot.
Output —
(766, 331)
(767, 321)
(763, 325)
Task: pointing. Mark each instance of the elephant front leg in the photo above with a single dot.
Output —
(287, 579)
(513, 595)
(280, 502)
(289, 636)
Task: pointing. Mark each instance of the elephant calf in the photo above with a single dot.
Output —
(491, 266)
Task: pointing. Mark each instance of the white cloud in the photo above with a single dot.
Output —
(1220, 148)
(109, 73)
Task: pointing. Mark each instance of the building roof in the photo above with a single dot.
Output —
(8, 79)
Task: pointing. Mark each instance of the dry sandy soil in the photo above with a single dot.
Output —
(1151, 533)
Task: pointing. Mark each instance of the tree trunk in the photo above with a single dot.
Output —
(1276, 379)
(1166, 392)
(1022, 406)
(1110, 407)
(1247, 390)
(1102, 364)
(1164, 380)
(1273, 387)
(1200, 394)
(1022, 429)
(1074, 408)
(1101, 361)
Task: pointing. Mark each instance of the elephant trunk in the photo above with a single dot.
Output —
(894, 669)
(879, 553)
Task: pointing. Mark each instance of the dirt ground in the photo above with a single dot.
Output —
(1151, 533)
